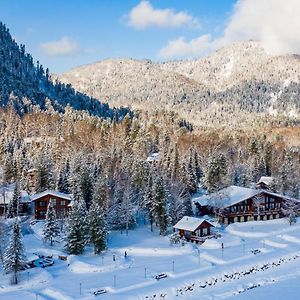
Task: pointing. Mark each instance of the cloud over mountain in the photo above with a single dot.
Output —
(273, 22)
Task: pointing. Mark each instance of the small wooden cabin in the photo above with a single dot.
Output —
(6, 195)
(265, 183)
(60, 201)
(194, 229)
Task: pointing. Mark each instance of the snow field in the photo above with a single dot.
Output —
(193, 271)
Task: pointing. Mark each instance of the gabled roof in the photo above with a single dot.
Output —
(153, 157)
(190, 223)
(233, 195)
(266, 180)
(9, 193)
(52, 193)
(227, 196)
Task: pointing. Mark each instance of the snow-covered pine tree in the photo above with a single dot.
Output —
(148, 199)
(63, 178)
(13, 206)
(51, 227)
(44, 178)
(96, 227)
(76, 235)
(160, 203)
(290, 210)
(216, 170)
(180, 202)
(14, 257)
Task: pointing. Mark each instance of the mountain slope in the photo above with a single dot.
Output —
(24, 85)
(239, 78)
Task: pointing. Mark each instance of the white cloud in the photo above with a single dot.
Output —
(63, 46)
(180, 48)
(273, 22)
(144, 15)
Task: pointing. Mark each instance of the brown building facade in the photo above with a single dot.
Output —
(60, 201)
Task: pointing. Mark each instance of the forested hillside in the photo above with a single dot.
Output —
(27, 86)
(76, 149)
(233, 81)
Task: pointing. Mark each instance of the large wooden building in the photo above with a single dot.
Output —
(194, 229)
(240, 204)
(60, 201)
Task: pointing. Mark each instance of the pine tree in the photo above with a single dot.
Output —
(51, 227)
(14, 257)
(76, 235)
(13, 206)
(96, 227)
(160, 204)
(216, 170)
(44, 178)
(180, 202)
(148, 199)
(63, 179)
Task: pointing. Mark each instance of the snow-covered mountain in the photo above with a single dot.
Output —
(242, 75)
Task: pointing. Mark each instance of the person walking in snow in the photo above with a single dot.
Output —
(125, 254)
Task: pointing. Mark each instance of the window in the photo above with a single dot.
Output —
(42, 212)
(43, 203)
(62, 202)
(53, 201)
(204, 231)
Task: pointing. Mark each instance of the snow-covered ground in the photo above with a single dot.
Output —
(193, 272)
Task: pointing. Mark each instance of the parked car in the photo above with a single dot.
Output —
(47, 262)
(100, 291)
(161, 276)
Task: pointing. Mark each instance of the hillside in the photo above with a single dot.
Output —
(241, 78)
(26, 86)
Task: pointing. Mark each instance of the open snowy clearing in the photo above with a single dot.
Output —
(257, 257)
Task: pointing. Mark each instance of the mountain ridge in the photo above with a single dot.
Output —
(241, 75)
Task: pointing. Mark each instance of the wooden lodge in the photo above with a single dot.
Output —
(240, 204)
(60, 201)
(194, 229)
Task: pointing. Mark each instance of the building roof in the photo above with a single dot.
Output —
(266, 180)
(153, 157)
(233, 195)
(227, 196)
(9, 193)
(190, 223)
(52, 193)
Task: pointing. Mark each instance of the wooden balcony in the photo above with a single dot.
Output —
(200, 239)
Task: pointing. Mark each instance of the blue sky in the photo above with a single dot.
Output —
(63, 34)
(99, 29)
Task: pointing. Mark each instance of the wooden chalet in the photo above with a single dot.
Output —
(265, 183)
(60, 201)
(240, 204)
(194, 229)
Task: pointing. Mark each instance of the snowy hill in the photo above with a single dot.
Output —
(242, 75)
(26, 86)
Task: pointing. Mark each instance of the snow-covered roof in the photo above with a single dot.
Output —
(266, 180)
(190, 223)
(153, 157)
(52, 193)
(227, 196)
(9, 192)
(281, 196)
